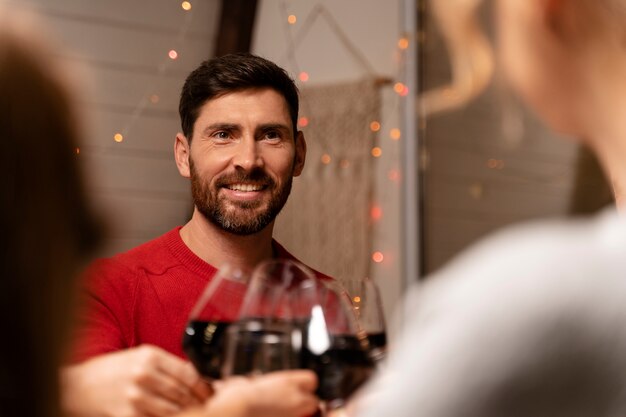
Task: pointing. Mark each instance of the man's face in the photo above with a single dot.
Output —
(242, 159)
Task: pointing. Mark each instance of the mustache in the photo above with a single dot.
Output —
(257, 176)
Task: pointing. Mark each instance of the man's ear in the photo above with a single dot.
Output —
(182, 154)
(298, 164)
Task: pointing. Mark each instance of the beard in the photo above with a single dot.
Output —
(238, 217)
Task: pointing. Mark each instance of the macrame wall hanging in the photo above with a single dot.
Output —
(326, 222)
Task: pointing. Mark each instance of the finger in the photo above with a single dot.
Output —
(153, 405)
(202, 391)
(177, 368)
(162, 385)
(302, 378)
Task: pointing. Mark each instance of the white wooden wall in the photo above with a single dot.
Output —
(122, 47)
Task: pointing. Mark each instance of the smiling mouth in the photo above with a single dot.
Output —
(245, 187)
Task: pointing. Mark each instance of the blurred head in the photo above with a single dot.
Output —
(564, 57)
(46, 226)
(233, 73)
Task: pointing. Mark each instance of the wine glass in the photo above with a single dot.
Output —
(216, 309)
(268, 334)
(290, 319)
(367, 303)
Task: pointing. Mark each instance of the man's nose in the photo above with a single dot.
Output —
(248, 155)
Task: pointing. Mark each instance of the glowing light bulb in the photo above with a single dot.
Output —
(172, 54)
(375, 126)
(292, 19)
(325, 159)
(303, 121)
(395, 134)
(403, 43)
(394, 175)
(118, 137)
(77, 151)
(376, 152)
(378, 257)
(186, 5)
(304, 76)
(376, 213)
(357, 299)
(398, 87)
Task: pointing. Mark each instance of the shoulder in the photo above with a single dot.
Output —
(153, 256)
(519, 314)
(539, 272)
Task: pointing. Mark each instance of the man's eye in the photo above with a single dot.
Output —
(272, 135)
(221, 135)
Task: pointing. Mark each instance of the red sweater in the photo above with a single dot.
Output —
(142, 296)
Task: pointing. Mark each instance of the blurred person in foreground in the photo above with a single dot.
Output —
(240, 149)
(48, 231)
(530, 321)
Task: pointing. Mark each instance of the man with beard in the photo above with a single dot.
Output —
(240, 148)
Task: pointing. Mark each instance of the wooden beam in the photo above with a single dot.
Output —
(236, 26)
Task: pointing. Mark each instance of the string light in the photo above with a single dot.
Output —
(357, 299)
(395, 134)
(303, 121)
(304, 76)
(405, 91)
(325, 159)
(378, 257)
(118, 137)
(394, 175)
(398, 87)
(77, 151)
(495, 163)
(292, 19)
(403, 43)
(172, 54)
(186, 6)
(376, 152)
(476, 191)
(375, 126)
(376, 213)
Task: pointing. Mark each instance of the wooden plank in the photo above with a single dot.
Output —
(236, 26)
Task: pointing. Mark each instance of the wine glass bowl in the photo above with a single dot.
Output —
(268, 334)
(291, 319)
(368, 307)
(216, 309)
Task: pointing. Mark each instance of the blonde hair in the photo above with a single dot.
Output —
(471, 57)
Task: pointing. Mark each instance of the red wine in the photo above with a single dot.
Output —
(260, 346)
(377, 340)
(341, 369)
(203, 343)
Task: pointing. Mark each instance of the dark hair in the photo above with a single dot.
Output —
(230, 73)
(46, 226)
